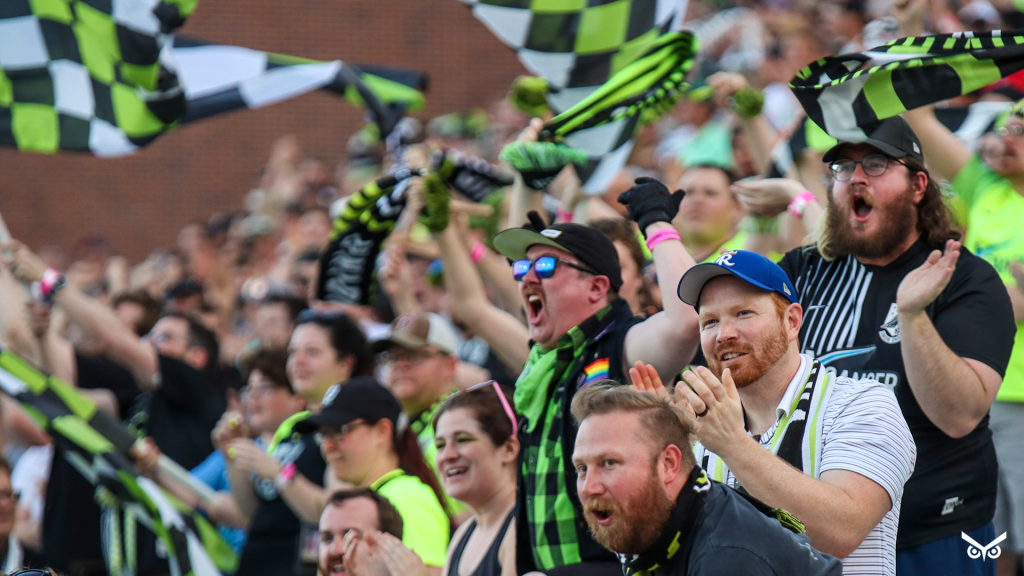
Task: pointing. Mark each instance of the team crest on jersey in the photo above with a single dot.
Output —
(890, 332)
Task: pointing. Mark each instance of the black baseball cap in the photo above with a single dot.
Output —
(589, 245)
(361, 397)
(893, 136)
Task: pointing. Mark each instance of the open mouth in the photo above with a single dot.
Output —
(861, 208)
(337, 567)
(453, 472)
(730, 357)
(602, 517)
(534, 308)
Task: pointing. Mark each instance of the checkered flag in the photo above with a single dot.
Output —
(577, 46)
(218, 78)
(86, 76)
(849, 95)
(108, 77)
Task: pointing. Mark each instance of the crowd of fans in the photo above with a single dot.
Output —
(810, 373)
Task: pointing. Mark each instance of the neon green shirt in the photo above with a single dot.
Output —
(425, 527)
(995, 233)
(737, 242)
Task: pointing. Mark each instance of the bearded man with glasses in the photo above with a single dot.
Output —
(581, 331)
(889, 294)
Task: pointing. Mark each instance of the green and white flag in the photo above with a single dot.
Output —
(97, 445)
(578, 46)
(77, 75)
(110, 77)
(849, 95)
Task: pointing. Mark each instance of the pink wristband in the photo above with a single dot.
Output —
(660, 236)
(563, 215)
(284, 477)
(797, 205)
(477, 252)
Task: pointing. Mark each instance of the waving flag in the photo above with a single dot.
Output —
(86, 76)
(848, 95)
(577, 46)
(97, 446)
(220, 78)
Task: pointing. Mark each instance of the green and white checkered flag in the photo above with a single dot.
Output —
(78, 75)
(578, 46)
(97, 445)
(849, 95)
(109, 77)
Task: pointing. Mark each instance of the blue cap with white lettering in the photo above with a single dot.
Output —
(750, 267)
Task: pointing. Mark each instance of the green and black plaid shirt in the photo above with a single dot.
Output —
(551, 528)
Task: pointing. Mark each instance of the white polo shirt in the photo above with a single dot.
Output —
(864, 432)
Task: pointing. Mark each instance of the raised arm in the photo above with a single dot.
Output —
(954, 392)
(94, 318)
(669, 339)
(503, 332)
(945, 154)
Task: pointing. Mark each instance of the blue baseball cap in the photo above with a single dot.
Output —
(750, 267)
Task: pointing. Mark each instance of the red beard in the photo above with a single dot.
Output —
(635, 530)
(758, 361)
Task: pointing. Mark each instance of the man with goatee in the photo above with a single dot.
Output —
(645, 498)
(833, 451)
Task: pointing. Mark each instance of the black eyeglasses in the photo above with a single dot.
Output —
(544, 267)
(335, 435)
(874, 165)
(32, 572)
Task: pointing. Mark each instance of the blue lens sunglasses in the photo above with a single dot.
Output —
(544, 267)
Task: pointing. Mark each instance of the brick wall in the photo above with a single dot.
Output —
(141, 201)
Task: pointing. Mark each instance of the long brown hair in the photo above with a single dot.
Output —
(935, 220)
(412, 461)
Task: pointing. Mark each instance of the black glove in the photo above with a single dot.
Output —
(649, 201)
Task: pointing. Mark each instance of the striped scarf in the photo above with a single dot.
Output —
(798, 434)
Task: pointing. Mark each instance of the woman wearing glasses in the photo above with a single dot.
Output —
(366, 441)
(289, 475)
(477, 451)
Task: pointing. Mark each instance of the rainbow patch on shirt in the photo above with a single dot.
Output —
(597, 370)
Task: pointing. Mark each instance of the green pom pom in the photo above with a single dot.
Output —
(530, 94)
(747, 102)
(437, 203)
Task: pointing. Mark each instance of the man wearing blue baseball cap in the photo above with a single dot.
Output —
(833, 451)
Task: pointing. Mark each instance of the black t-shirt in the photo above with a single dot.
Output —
(850, 325)
(69, 496)
(273, 545)
(182, 412)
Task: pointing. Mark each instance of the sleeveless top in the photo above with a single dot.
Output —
(489, 565)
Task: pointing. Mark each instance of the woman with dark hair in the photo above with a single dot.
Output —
(283, 486)
(366, 441)
(326, 348)
(477, 452)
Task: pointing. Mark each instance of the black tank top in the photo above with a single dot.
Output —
(489, 566)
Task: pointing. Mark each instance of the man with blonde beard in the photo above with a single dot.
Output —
(645, 498)
(833, 451)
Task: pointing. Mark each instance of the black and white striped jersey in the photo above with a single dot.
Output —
(850, 324)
